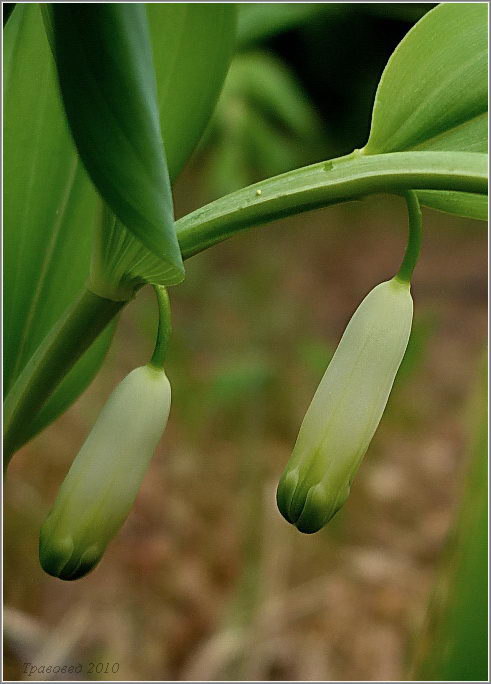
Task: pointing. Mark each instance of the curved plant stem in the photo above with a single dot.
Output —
(55, 356)
(164, 329)
(327, 183)
(319, 185)
(414, 239)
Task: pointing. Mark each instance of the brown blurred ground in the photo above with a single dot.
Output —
(206, 580)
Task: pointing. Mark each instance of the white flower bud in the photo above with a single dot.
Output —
(347, 408)
(100, 488)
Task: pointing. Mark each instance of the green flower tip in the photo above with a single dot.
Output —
(346, 408)
(307, 508)
(60, 558)
(103, 481)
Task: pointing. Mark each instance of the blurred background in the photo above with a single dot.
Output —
(206, 581)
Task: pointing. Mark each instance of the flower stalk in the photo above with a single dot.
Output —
(415, 221)
(165, 328)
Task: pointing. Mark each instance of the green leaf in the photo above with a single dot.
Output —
(433, 93)
(192, 47)
(434, 82)
(331, 182)
(47, 234)
(107, 80)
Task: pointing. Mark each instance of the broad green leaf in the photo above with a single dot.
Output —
(107, 81)
(49, 206)
(48, 235)
(327, 183)
(433, 92)
(192, 47)
(434, 83)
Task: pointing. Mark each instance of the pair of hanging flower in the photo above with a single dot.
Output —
(100, 488)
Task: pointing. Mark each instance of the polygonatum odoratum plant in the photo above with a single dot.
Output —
(104, 104)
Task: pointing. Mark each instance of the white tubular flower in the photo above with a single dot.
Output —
(347, 408)
(100, 488)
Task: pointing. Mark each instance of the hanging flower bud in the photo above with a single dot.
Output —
(100, 488)
(346, 409)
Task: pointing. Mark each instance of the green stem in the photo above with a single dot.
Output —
(327, 183)
(414, 239)
(52, 360)
(164, 329)
(319, 185)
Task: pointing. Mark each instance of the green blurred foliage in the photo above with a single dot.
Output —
(338, 58)
(454, 644)
(263, 125)
(297, 91)
(258, 21)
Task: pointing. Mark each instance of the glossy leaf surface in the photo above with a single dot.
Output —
(434, 83)
(192, 47)
(47, 235)
(107, 80)
(433, 93)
